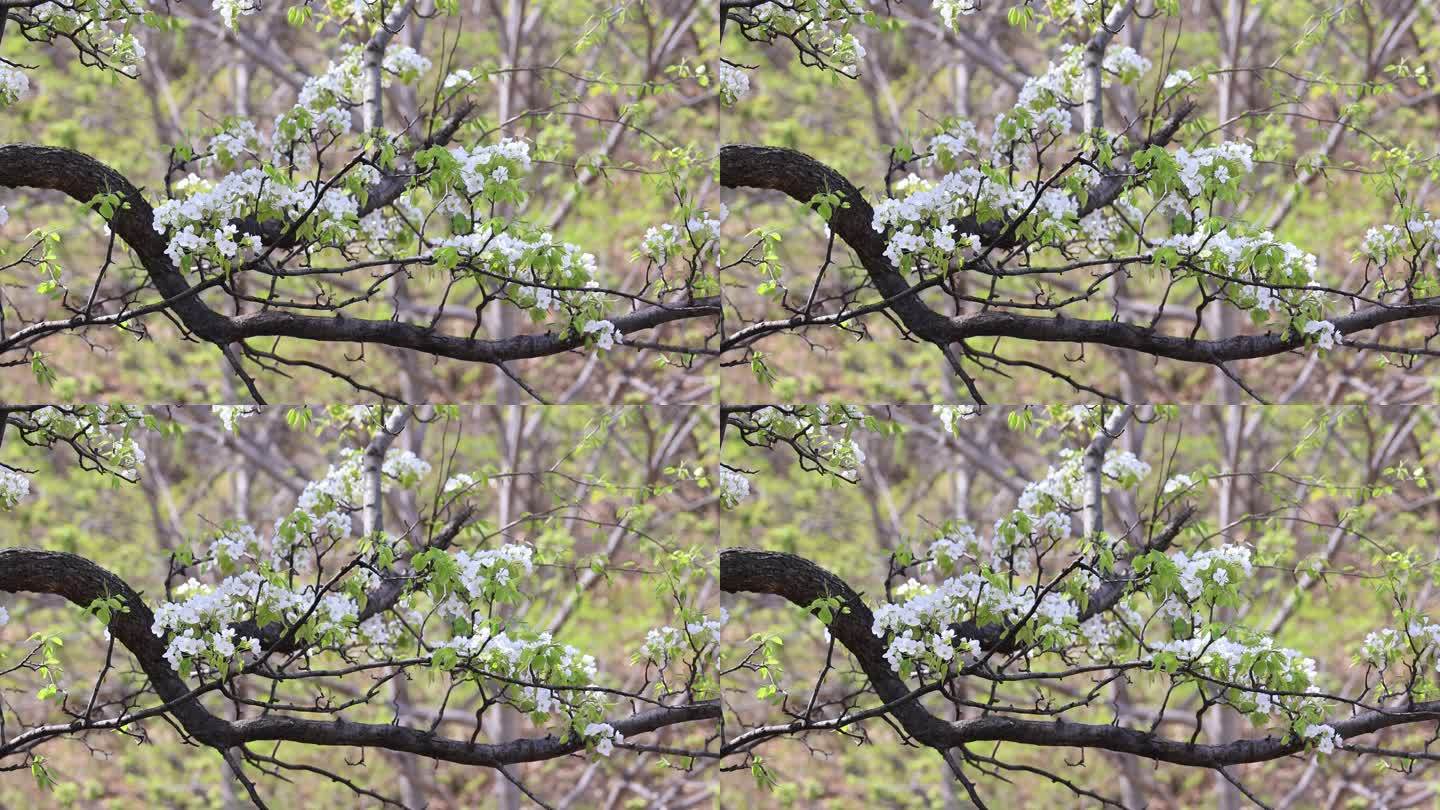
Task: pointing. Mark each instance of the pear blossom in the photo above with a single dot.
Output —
(952, 415)
(734, 83)
(230, 415)
(1324, 736)
(734, 487)
(14, 85)
(605, 334)
(459, 483)
(1324, 332)
(13, 487)
(604, 736)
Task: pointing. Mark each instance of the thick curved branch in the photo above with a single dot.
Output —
(81, 582)
(801, 582)
(82, 177)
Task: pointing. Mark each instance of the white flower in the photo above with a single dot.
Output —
(1126, 63)
(459, 78)
(230, 10)
(405, 62)
(949, 549)
(1324, 736)
(605, 737)
(1215, 563)
(662, 642)
(952, 10)
(4, 617)
(230, 415)
(1380, 243)
(1179, 78)
(734, 83)
(1324, 331)
(952, 415)
(13, 487)
(235, 543)
(605, 335)
(458, 483)
(404, 466)
(13, 86)
(234, 141)
(734, 487)
(1179, 483)
(660, 242)
(4, 215)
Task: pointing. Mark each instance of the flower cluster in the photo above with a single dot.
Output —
(1381, 243)
(484, 573)
(664, 644)
(234, 543)
(493, 171)
(340, 486)
(545, 274)
(734, 487)
(405, 467)
(103, 30)
(826, 431)
(1220, 567)
(565, 672)
(660, 242)
(952, 10)
(1420, 642)
(1322, 736)
(13, 487)
(821, 23)
(230, 415)
(734, 83)
(1177, 484)
(14, 84)
(201, 229)
(1063, 484)
(949, 549)
(230, 10)
(201, 626)
(1179, 78)
(605, 334)
(459, 78)
(459, 482)
(921, 629)
(604, 736)
(952, 415)
(1246, 660)
(1272, 275)
(1209, 169)
(234, 141)
(1324, 332)
(107, 430)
